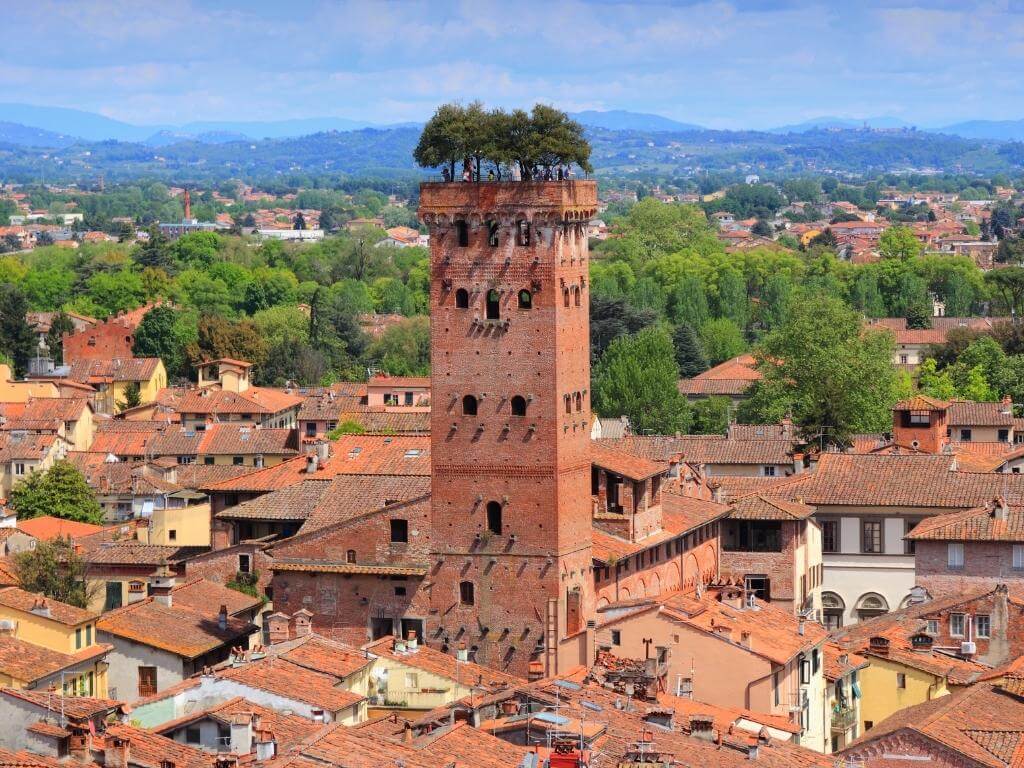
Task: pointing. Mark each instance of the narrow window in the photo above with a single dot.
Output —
(469, 405)
(350, 556)
(982, 625)
(463, 231)
(466, 592)
(955, 554)
(568, 403)
(579, 402)
(901, 680)
(523, 232)
(956, 624)
(525, 299)
(492, 234)
(576, 295)
(399, 531)
(565, 297)
(493, 305)
(462, 299)
(494, 517)
(518, 405)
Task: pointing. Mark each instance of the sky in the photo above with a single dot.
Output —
(722, 64)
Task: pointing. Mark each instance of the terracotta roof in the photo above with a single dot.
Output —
(201, 595)
(76, 707)
(28, 662)
(221, 439)
(966, 413)
(179, 628)
(421, 382)
(724, 387)
(137, 553)
(352, 495)
(18, 599)
(913, 480)
(982, 724)
(125, 438)
(48, 528)
(294, 502)
(838, 663)
(771, 632)
(443, 664)
(738, 485)
(96, 371)
(293, 681)
(623, 463)
(60, 408)
(764, 507)
(681, 514)
(704, 449)
(32, 446)
(151, 750)
(255, 400)
(388, 422)
(289, 730)
(921, 403)
(979, 524)
(783, 431)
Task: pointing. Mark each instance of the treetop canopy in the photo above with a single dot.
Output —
(542, 139)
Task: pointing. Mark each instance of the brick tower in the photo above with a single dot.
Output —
(510, 421)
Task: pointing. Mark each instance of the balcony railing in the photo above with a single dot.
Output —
(843, 719)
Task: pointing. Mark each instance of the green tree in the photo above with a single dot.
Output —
(61, 491)
(821, 366)
(1008, 283)
(637, 377)
(899, 243)
(17, 341)
(217, 337)
(160, 335)
(690, 355)
(722, 340)
(733, 301)
(933, 382)
(711, 416)
(59, 325)
(55, 569)
(404, 348)
(132, 397)
(775, 297)
(688, 302)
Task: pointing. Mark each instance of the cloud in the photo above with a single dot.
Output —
(728, 63)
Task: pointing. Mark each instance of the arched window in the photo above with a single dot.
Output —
(565, 296)
(525, 299)
(833, 608)
(350, 556)
(568, 403)
(462, 229)
(579, 402)
(466, 596)
(518, 405)
(576, 295)
(494, 517)
(493, 305)
(523, 232)
(469, 405)
(492, 233)
(871, 605)
(462, 299)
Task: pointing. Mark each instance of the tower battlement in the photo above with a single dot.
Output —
(573, 200)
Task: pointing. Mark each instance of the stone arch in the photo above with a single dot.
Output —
(672, 576)
(691, 570)
(602, 602)
(641, 588)
(655, 587)
(624, 593)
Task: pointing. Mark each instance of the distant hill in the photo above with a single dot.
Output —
(27, 136)
(621, 120)
(74, 122)
(819, 123)
(999, 130)
(275, 129)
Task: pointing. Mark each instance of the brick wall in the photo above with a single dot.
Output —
(222, 565)
(985, 565)
(536, 466)
(779, 567)
(103, 342)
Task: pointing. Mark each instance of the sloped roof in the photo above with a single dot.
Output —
(48, 528)
(28, 662)
(18, 599)
(978, 524)
(765, 507)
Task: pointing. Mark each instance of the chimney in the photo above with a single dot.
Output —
(303, 622)
(702, 727)
(266, 745)
(1000, 509)
(41, 608)
(462, 654)
(241, 733)
(222, 618)
(411, 640)
(798, 463)
(161, 585)
(1007, 406)
(407, 733)
(879, 646)
(312, 461)
(79, 743)
(117, 753)
(278, 628)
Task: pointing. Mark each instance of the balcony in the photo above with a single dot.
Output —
(843, 719)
